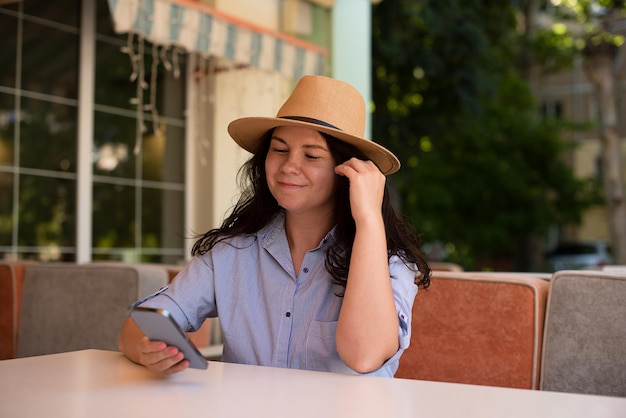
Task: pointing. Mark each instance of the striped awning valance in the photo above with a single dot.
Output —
(204, 30)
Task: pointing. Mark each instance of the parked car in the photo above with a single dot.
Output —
(591, 255)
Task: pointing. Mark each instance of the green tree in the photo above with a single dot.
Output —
(482, 172)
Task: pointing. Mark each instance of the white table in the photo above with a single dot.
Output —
(95, 383)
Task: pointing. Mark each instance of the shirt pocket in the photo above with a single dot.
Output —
(321, 348)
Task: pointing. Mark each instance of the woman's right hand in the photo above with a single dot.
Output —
(154, 355)
(159, 357)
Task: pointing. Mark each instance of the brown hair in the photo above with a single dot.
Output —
(257, 207)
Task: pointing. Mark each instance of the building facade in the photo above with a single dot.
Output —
(570, 95)
(113, 113)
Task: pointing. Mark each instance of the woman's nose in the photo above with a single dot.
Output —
(291, 164)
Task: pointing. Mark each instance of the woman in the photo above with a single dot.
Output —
(312, 269)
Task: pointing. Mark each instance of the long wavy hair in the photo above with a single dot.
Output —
(257, 207)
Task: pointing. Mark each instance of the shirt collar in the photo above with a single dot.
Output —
(275, 230)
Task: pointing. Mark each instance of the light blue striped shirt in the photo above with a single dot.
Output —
(269, 315)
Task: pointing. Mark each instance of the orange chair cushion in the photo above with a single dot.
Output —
(477, 329)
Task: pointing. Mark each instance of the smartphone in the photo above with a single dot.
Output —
(158, 325)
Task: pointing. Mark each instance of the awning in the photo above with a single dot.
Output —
(198, 28)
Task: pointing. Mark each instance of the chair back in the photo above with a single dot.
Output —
(585, 334)
(67, 307)
(444, 266)
(474, 328)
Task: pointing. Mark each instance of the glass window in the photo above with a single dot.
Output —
(8, 52)
(9, 6)
(47, 215)
(162, 153)
(137, 198)
(158, 207)
(114, 216)
(114, 142)
(113, 72)
(66, 12)
(6, 210)
(49, 60)
(48, 135)
(7, 128)
(138, 188)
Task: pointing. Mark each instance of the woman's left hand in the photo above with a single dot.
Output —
(367, 187)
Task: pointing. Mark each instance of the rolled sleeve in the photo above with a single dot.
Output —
(160, 300)
(190, 298)
(147, 298)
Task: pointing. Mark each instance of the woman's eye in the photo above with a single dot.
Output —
(312, 157)
(279, 150)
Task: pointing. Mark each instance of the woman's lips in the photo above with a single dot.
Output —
(288, 185)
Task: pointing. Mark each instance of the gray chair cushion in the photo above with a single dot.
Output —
(67, 307)
(584, 347)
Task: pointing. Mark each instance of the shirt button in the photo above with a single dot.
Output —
(306, 269)
(288, 314)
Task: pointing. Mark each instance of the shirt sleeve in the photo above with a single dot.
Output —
(190, 298)
(404, 293)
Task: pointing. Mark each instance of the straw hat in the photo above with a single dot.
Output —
(326, 105)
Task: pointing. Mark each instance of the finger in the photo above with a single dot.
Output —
(171, 365)
(152, 352)
(344, 170)
(149, 346)
(166, 361)
(354, 165)
(349, 168)
(177, 368)
(358, 164)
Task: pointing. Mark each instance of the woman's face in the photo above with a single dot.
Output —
(300, 170)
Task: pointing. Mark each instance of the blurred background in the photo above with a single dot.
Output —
(507, 117)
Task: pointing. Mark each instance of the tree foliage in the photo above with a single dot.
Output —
(481, 171)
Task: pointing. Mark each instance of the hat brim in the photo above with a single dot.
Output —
(248, 132)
